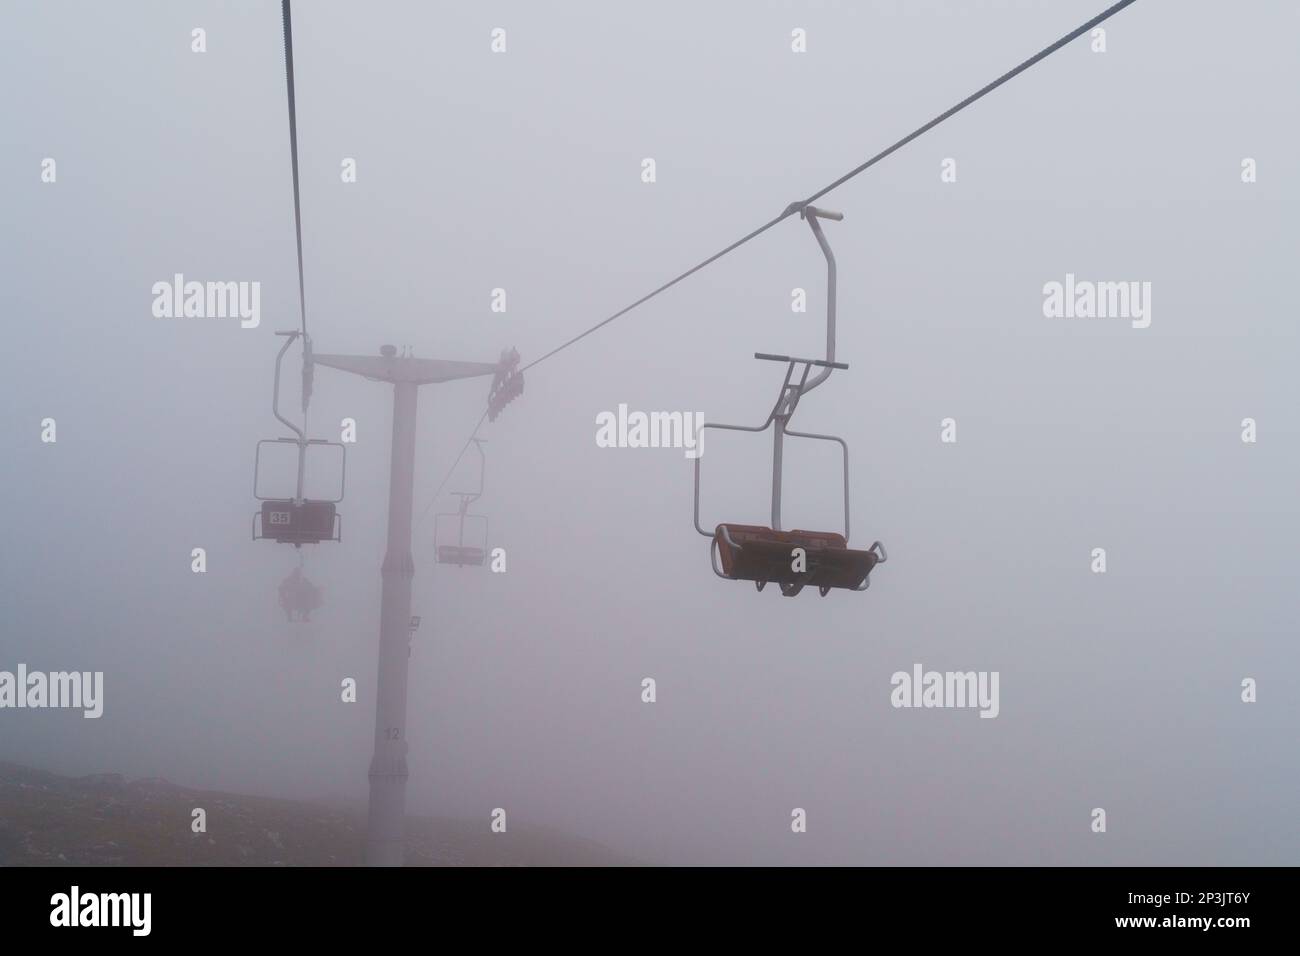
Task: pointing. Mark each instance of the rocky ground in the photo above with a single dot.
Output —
(106, 820)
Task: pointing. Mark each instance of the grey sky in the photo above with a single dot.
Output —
(521, 171)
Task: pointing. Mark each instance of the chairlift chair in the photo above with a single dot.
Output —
(297, 520)
(298, 596)
(461, 554)
(758, 553)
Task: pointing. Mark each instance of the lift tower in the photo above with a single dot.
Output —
(388, 773)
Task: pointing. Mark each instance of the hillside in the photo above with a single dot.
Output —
(106, 820)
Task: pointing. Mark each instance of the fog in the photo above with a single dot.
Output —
(523, 171)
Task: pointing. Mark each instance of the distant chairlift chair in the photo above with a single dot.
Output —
(460, 554)
(299, 597)
(741, 552)
(297, 520)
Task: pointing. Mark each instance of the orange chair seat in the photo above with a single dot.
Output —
(756, 553)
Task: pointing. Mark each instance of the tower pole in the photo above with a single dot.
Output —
(388, 772)
(385, 823)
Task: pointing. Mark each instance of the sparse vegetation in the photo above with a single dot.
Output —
(106, 820)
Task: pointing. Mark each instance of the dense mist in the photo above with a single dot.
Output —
(523, 171)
